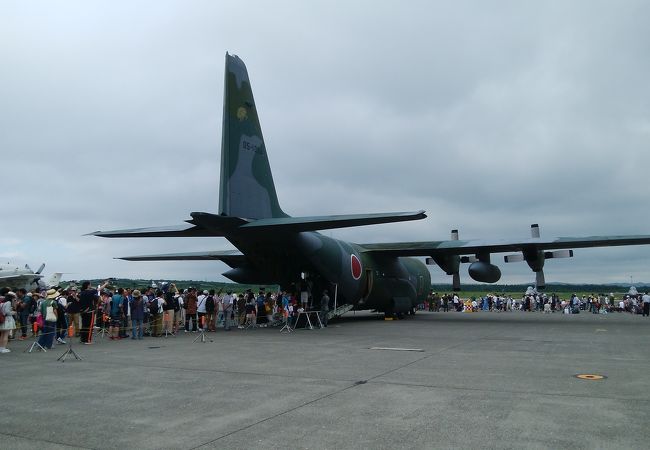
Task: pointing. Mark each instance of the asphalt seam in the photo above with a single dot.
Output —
(2, 433)
(331, 394)
(274, 416)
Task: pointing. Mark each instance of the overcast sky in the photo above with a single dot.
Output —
(488, 115)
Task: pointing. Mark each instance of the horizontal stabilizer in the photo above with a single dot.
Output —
(233, 258)
(213, 225)
(171, 231)
(200, 225)
(314, 223)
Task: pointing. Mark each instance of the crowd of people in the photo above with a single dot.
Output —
(55, 315)
(534, 301)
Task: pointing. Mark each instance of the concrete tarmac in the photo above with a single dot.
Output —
(481, 380)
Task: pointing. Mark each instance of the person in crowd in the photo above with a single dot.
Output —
(49, 313)
(168, 311)
(116, 313)
(137, 315)
(261, 310)
(88, 299)
(646, 304)
(37, 319)
(241, 309)
(200, 309)
(9, 322)
(179, 312)
(156, 310)
(250, 311)
(73, 310)
(24, 303)
(61, 320)
(124, 324)
(190, 309)
(226, 306)
(324, 307)
(210, 311)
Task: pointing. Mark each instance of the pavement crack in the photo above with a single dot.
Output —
(274, 416)
(35, 440)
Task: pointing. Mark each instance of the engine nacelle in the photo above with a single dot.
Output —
(484, 272)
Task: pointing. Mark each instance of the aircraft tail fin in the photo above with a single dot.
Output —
(247, 189)
(53, 281)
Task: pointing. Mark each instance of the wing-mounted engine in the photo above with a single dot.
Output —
(480, 268)
(535, 257)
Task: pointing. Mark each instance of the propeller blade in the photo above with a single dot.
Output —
(513, 258)
(540, 282)
(534, 230)
(468, 259)
(40, 269)
(559, 254)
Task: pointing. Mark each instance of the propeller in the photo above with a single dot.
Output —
(449, 263)
(535, 258)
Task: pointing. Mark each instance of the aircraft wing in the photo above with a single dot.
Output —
(447, 254)
(475, 246)
(314, 223)
(210, 225)
(232, 258)
(17, 281)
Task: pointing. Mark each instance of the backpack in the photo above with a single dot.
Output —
(209, 304)
(153, 307)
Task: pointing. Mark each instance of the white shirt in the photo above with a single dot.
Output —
(227, 302)
(200, 303)
(646, 298)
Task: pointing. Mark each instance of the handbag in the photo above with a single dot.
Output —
(50, 315)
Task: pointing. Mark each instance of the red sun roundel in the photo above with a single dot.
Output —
(355, 265)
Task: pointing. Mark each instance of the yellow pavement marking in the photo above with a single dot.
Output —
(590, 376)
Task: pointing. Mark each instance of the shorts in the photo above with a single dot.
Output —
(116, 321)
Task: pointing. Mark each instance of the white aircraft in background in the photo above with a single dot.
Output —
(25, 277)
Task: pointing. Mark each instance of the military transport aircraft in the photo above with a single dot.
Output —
(275, 248)
(19, 277)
